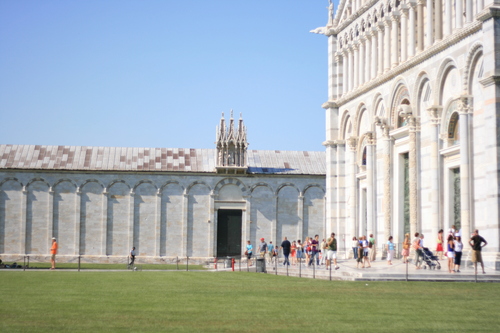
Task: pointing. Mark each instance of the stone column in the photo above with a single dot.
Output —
(300, 215)
(380, 40)
(368, 58)
(22, 226)
(370, 190)
(158, 224)
(459, 9)
(331, 185)
(374, 53)
(50, 222)
(468, 11)
(131, 220)
(104, 222)
(352, 142)
(434, 200)
(212, 234)
(411, 30)
(404, 34)
(338, 60)
(274, 223)
(387, 175)
(78, 222)
(413, 167)
(463, 111)
(247, 227)
(420, 25)
(395, 39)
(351, 68)
(356, 65)
(339, 183)
(438, 24)
(387, 44)
(448, 17)
(429, 27)
(361, 60)
(345, 71)
(185, 215)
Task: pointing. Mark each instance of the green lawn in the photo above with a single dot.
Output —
(182, 267)
(238, 302)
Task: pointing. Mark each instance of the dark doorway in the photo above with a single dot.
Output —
(228, 232)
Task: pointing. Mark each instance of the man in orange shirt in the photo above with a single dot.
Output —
(53, 252)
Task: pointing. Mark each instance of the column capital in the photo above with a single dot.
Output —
(370, 138)
(434, 112)
(464, 104)
(352, 142)
(384, 126)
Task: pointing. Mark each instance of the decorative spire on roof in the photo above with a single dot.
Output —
(231, 146)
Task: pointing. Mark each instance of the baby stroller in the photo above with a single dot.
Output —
(430, 260)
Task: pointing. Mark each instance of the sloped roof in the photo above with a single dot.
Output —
(82, 158)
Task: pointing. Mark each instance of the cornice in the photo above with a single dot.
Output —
(410, 63)
(488, 12)
(490, 80)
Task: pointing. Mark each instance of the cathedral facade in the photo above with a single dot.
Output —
(99, 202)
(413, 116)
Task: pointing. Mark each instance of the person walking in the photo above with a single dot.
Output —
(314, 250)
(390, 251)
(299, 252)
(450, 245)
(355, 245)
(439, 246)
(418, 250)
(366, 253)
(293, 253)
(406, 248)
(458, 253)
(262, 248)
(323, 251)
(132, 256)
(331, 251)
(53, 252)
(361, 253)
(249, 252)
(286, 247)
(476, 242)
(270, 252)
(373, 248)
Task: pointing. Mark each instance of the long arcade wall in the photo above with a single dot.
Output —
(100, 216)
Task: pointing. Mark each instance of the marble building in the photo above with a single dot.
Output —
(412, 119)
(168, 203)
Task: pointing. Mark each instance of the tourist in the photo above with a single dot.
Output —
(286, 247)
(307, 248)
(293, 253)
(406, 248)
(458, 253)
(262, 248)
(373, 248)
(361, 252)
(323, 250)
(355, 245)
(331, 251)
(132, 256)
(450, 253)
(314, 250)
(439, 247)
(418, 250)
(476, 242)
(270, 252)
(53, 252)
(366, 259)
(249, 252)
(299, 251)
(390, 251)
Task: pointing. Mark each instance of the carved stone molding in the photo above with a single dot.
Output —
(434, 113)
(352, 142)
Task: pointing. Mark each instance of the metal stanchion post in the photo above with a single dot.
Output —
(248, 270)
(406, 270)
(79, 261)
(287, 269)
(24, 263)
(187, 264)
(314, 268)
(330, 261)
(300, 266)
(177, 262)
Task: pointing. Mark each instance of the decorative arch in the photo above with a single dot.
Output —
(401, 96)
(447, 65)
(92, 181)
(473, 57)
(37, 180)
(233, 181)
(286, 185)
(118, 181)
(65, 180)
(261, 184)
(345, 123)
(8, 179)
(308, 186)
(162, 188)
(198, 182)
(423, 91)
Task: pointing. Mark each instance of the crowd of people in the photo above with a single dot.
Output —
(324, 253)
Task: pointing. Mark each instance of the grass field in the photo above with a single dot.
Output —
(181, 267)
(238, 302)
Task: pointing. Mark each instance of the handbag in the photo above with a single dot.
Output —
(246, 253)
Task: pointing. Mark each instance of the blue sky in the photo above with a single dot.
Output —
(160, 73)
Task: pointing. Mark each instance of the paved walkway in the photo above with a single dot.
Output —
(381, 271)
